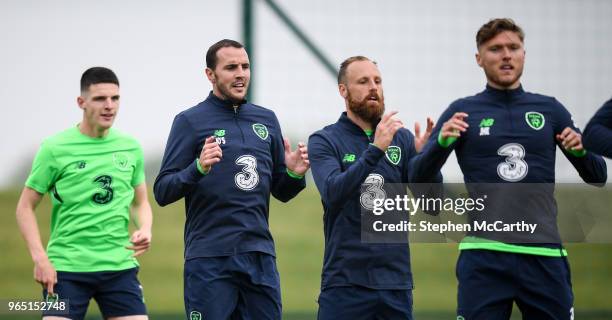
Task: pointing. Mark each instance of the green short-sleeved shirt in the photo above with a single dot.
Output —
(91, 185)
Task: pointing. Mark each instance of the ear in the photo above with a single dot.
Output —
(210, 74)
(343, 90)
(478, 60)
(81, 102)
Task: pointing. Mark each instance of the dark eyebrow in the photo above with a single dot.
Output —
(98, 98)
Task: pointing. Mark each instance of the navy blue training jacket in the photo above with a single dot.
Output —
(511, 139)
(226, 209)
(598, 132)
(341, 158)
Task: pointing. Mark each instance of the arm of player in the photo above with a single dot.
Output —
(179, 169)
(409, 174)
(428, 187)
(289, 167)
(44, 272)
(141, 209)
(591, 167)
(337, 187)
(598, 132)
(427, 164)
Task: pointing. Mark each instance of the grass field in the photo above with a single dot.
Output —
(297, 228)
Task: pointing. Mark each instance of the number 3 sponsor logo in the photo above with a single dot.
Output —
(105, 183)
(515, 168)
(248, 178)
(372, 189)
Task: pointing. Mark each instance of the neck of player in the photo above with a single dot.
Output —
(500, 87)
(92, 131)
(364, 125)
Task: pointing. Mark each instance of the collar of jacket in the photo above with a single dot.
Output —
(352, 127)
(225, 104)
(504, 94)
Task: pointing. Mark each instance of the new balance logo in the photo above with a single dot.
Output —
(485, 126)
(348, 158)
(220, 136)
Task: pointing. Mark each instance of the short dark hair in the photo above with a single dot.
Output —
(344, 65)
(496, 26)
(211, 54)
(97, 75)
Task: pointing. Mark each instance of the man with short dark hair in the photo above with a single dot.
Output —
(364, 148)
(598, 132)
(225, 156)
(510, 137)
(94, 175)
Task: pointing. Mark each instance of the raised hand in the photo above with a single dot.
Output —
(211, 153)
(386, 129)
(420, 141)
(454, 126)
(296, 161)
(570, 139)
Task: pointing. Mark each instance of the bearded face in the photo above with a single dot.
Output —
(369, 108)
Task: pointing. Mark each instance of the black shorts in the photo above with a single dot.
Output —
(491, 281)
(118, 293)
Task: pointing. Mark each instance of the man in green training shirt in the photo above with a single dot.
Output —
(94, 175)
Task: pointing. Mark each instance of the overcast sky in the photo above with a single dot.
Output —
(425, 50)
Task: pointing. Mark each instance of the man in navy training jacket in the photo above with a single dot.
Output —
(598, 132)
(225, 156)
(505, 135)
(362, 280)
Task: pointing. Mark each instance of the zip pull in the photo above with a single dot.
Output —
(236, 109)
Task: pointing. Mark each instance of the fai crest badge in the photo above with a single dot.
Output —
(394, 154)
(535, 120)
(261, 131)
(195, 315)
(121, 161)
(52, 298)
